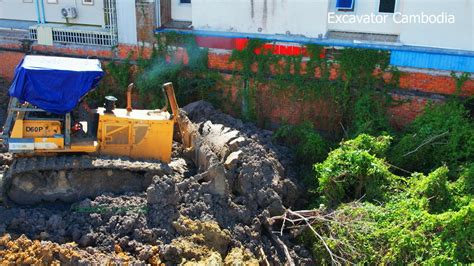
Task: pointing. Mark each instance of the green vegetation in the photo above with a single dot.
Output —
(355, 169)
(121, 73)
(383, 197)
(377, 216)
(357, 93)
(414, 219)
(308, 145)
(442, 135)
(460, 80)
(398, 198)
(192, 81)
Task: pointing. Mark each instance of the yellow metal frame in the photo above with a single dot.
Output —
(144, 134)
(17, 131)
(156, 142)
(35, 128)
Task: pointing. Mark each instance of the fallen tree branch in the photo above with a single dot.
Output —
(306, 218)
(427, 141)
(279, 242)
(289, 260)
(264, 257)
(398, 168)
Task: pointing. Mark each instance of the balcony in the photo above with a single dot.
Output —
(77, 35)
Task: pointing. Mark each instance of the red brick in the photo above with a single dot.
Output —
(9, 61)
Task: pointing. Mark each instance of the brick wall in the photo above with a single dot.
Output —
(146, 21)
(8, 62)
(424, 82)
(434, 83)
(420, 88)
(408, 103)
(11, 54)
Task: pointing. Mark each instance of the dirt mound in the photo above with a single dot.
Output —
(211, 211)
(4, 99)
(25, 251)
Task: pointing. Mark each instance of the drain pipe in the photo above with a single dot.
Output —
(43, 18)
(37, 11)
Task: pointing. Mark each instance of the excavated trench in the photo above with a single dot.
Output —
(210, 206)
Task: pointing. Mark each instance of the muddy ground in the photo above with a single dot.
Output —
(3, 100)
(211, 210)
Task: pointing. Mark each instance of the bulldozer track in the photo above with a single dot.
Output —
(67, 175)
(78, 162)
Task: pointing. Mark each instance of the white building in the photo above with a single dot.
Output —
(433, 23)
(82, 22)
(409, 28)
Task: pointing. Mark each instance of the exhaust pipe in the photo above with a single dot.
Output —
(129, 97)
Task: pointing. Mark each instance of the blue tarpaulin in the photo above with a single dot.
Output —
(54, 84)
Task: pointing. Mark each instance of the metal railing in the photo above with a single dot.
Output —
(110, 15)
(106, 36)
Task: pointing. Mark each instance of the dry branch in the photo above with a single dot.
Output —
(306, 219)
(427, 141)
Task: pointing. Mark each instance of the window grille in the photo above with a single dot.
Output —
(106, 36)
(81, 37)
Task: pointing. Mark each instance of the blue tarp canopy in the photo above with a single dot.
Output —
(54, 84)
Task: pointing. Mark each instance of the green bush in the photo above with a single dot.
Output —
(308, 145)
(462, 189)
(354, 170)
(444, 134)
(434, 189)
(425, 223)
(120, 72)
(150, 82)
(370, 115)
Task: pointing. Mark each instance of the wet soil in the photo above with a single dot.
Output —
(212, 209)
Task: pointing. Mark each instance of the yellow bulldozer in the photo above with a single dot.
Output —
(64, 151)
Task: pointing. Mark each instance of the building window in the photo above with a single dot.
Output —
(345, 5)
(52, 1)
(185, 1)
(387, 6)
(27, 1)
(88, 2)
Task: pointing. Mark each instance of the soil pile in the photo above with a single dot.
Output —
(4, 99)
(211, 209)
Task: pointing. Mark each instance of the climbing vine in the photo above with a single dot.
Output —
(358, 85)
(121, 72)
(459, 81)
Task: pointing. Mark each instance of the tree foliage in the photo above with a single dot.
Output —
(354, 170)
(308, 145)
(444, 134)
(421, 219)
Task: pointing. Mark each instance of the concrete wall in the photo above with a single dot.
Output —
(459, 35)
(126, 22)
(310, 18)
(361, 8)
(181, 12)
(16, 9)
(86, 14)
(262, 16)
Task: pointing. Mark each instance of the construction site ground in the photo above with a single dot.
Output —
(209, 207)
